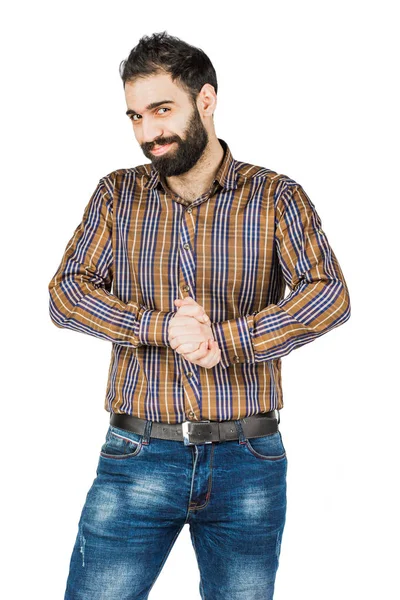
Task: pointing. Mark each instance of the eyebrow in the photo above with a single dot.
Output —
(150, 106)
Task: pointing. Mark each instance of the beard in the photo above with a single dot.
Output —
(185, 153)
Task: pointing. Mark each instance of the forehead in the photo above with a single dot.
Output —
(154, 88)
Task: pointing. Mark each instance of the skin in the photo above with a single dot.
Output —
(188, 168)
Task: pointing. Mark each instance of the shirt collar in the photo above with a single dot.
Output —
(226, 175)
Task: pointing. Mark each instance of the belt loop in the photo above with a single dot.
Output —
(242, 437)
(147, 432)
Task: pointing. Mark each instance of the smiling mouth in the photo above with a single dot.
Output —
(161, 149)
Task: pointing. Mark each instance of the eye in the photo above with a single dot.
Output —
(164, 108)
(132, 117)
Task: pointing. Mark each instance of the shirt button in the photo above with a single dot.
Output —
(190, 414)
(190, 374)
(236, 358)
(186, 246)
(185, 288)
(189, 210)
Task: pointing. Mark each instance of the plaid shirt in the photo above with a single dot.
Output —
(233, 249)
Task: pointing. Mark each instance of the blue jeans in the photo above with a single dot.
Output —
(232, 494)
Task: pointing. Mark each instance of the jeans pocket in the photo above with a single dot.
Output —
(121, 444)
(267, 447)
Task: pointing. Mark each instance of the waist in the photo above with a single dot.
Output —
(200, 432)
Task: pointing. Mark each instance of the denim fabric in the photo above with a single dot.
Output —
(232, 494)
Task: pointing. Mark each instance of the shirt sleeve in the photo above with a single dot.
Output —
(318, 300)
(80, 296)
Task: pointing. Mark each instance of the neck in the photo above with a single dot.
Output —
(199, 179)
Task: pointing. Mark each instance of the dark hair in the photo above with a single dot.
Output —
(186, 64)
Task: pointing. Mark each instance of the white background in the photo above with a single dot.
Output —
(308, 89)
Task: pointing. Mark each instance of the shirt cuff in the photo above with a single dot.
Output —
(234, 337)
(153, 327)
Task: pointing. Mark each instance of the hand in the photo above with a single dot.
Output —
(206, 353)
(189, 327)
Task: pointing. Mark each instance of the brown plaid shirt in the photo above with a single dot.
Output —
(234, 249)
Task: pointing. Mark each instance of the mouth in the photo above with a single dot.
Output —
(157, 150)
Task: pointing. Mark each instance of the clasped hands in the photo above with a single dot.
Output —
(190, 334)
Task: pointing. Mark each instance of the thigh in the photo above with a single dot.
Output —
(237, 538)
(126, 528)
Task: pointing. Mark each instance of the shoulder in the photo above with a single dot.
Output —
(249, 171)
(113, 180)
(280, 185)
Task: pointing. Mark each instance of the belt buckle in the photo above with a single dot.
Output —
(186, 432)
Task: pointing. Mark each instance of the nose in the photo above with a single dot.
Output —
(151, 132)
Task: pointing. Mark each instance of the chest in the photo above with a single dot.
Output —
(222, 249)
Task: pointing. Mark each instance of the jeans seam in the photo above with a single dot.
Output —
(121, 456)
(137, 451)
(261, 456)
(127, 439)
(165, 558)
(192, 535)
(208, 495)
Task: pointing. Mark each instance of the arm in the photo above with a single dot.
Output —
(80, 297)
(318, 300)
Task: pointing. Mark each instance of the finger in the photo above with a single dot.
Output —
(185, 328)
(203, 318)
(187, 348)
(181, 320)
(198, 354)
(188, 328)
(193, 310)
(214, 355)
(218, 354)
(210, 357)
(186, 307)
(185, 336)
(211, 354)
(191, 302)
(187, 300)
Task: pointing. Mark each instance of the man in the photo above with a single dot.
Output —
(199, 248)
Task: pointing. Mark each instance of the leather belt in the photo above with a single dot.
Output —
(201, 432)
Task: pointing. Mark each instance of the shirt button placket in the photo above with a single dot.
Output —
(186, 288)
(186, 246)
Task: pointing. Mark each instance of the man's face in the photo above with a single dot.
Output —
(174, 127)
